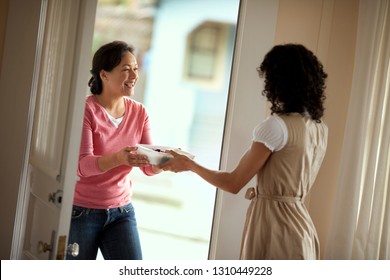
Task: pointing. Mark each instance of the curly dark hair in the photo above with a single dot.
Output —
(294, 81)
(107, 57)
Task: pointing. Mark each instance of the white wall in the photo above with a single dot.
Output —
(328, 28)
(15, 85)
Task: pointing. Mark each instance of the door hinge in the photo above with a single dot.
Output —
(61, 247)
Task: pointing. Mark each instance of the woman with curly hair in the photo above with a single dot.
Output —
(286, 153)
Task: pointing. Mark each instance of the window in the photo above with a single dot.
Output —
(206, 53)
(203, 51)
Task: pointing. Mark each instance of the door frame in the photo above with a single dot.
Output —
(245, 110)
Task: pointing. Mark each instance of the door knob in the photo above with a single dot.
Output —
(56, 197)
(43, 247)
(73, 249)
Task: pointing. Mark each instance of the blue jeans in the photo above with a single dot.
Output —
(114, 231)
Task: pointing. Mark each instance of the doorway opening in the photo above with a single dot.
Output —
(184, 52)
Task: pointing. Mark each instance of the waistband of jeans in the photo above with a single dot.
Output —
(88, 210)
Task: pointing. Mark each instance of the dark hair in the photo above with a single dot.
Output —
(294, 81)
(107, 57)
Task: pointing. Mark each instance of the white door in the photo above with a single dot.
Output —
(57, 104)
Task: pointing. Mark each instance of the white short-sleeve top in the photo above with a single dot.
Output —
(272, 132)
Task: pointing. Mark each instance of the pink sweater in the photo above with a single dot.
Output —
(113, 188)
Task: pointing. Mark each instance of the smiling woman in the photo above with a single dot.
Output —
(103, 215)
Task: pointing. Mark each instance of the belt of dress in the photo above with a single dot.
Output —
(252, 193)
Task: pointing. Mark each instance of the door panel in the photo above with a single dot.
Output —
(61, 73)
(42, 217)
(42, 221)
(44, 188)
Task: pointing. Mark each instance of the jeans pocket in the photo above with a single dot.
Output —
(78, 212)
(128, 208)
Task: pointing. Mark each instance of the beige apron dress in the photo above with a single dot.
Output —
(278, 225)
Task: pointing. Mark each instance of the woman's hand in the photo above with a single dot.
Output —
(129, 156)
(250, 164)
(178, 163)
(126, 156)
